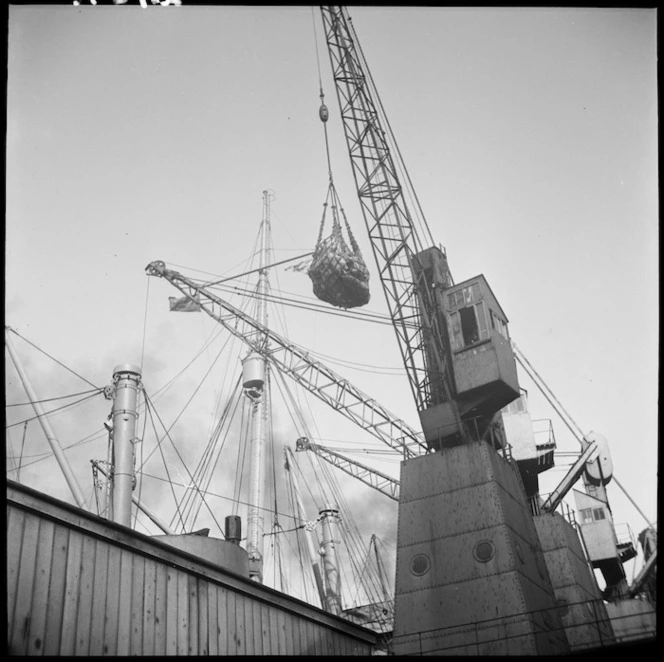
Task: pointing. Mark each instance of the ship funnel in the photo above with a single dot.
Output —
(233, 529)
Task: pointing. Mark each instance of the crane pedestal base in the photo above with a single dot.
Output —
(582, 610)
(471, 576)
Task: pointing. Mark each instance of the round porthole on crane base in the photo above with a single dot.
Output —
(420, 564)
(484, 551)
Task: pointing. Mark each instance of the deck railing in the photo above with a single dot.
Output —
(585, 625)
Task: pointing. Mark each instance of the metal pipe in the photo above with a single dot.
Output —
(330, 518)
(570, 478)
(46, 426)
(127, 380)
(254, 518)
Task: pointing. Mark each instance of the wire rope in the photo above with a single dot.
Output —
(149, 412)
(47, 454)
(302, 425)
(212, 467)
(191, 397)
(162, 390)
(61, 397)
(210, 493)
(208, 273)
(177, 452)
(205, 461)
(204, 471)
(308, 303)
(53, 411)
(51, 357)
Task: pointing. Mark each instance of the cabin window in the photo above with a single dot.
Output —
(592, 514)
(499, 325)
(464, 296)
(481, 321)
(469, 327)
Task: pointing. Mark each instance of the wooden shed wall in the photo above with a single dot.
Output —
(78, 585)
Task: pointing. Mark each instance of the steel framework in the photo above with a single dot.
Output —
(295, 362)
(393, 236)
(379, 481)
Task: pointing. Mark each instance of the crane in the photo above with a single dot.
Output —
(394, 240)
(379, 481)
(461, 368)
(415, 277)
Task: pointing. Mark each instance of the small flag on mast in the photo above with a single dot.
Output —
(300, 266)
(183, 305)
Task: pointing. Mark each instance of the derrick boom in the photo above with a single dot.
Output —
(373, 478)
(295, 362)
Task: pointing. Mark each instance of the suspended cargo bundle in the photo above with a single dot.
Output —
(338, 272)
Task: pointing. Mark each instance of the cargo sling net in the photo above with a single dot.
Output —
(338, 272)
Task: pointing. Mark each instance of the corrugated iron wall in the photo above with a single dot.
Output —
(78, 585)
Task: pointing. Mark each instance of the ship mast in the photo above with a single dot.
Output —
(52, 439)
(254, 382)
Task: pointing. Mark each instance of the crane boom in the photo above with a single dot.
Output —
(423, 301)
(648, 569)
(379, 481)
(396, 246)
(570, 478)
(294, 361)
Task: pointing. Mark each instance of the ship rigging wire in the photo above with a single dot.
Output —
(141, 449)
(328, 486)
(191, 397)
(60, 397)
(217, 495)
(56, 410)
(305, 303)
(207, 464)
(8, 328)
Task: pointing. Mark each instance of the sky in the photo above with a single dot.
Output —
(133, 135)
